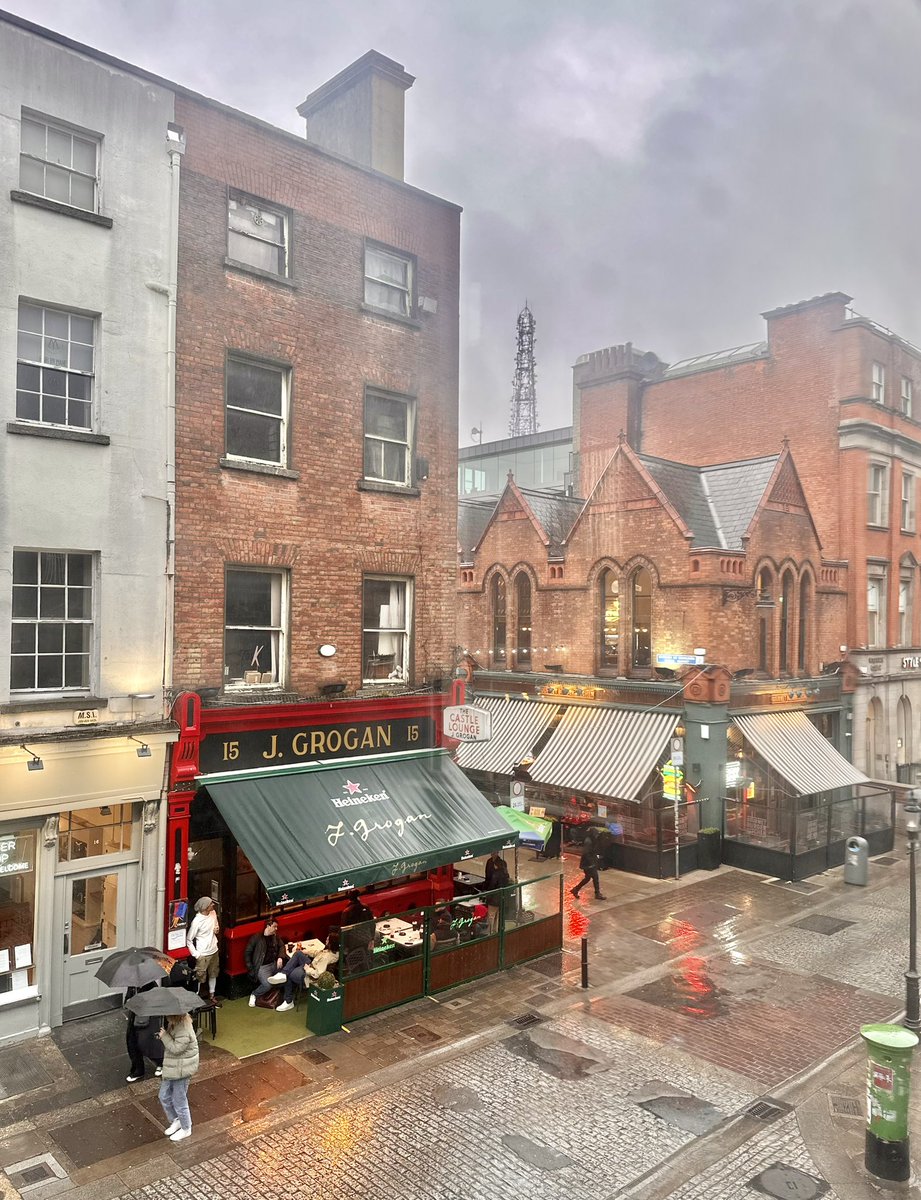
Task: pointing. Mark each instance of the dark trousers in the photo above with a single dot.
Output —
(589, 875)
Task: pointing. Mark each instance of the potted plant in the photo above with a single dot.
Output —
(708, 849)
(325, 1001)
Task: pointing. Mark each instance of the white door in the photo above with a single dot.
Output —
(96, 921)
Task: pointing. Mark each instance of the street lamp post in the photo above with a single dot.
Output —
(912, 1007)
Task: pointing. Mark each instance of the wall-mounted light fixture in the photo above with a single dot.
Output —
(142, 695)
(105, 811)
(327, 650)
(34, 763)
(143, 750)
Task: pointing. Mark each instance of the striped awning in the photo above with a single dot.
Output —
(795, 748)
(607, 751)
(516, 727)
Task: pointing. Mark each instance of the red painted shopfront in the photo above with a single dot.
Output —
(204, 859)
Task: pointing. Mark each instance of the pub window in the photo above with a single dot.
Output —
(386, 622)
(499, 618)
(523, 617)
(641, 596)
(255, 618)
(609, 631)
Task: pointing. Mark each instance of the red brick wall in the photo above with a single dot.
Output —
(320, 526)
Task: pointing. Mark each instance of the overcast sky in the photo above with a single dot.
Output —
(654, 171)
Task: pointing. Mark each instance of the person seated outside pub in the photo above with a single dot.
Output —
(443, 931)
(305, 965)
(264, 956)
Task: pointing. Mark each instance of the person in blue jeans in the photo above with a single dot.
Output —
(180, 1062)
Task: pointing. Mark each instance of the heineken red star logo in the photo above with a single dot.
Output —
(350, 787)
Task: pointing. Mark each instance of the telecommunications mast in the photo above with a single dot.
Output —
(524, 395)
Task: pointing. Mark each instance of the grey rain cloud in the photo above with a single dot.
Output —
(657, 172)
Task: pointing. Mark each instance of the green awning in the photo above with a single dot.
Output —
(328, 827)
(527, 827)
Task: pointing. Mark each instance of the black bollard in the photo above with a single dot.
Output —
(585, 962)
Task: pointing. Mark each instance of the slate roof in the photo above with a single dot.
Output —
(556, 514)
(716, 503)
(472, 519)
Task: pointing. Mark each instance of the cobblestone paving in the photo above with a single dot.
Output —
(872, 953)
(401, 1143)
(730, 1179)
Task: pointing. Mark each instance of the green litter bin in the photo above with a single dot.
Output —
(324, 1009)
(889, 1051)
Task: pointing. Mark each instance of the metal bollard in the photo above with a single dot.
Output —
(585, 962)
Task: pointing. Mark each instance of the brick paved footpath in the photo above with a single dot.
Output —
(706, 996)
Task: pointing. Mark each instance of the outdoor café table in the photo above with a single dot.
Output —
(407, 941)
(389, 927)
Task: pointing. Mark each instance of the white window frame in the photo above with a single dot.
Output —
(247, 229)
(281, 418)
(58, 603)
(390, 636)
(876, 606)
(907, 396)
(906, 598)
(52, 355)
(878, 494)
(384, 290)
(878, 383)
(264, 670)
(377, 446)
(60, 161)
(909, 490)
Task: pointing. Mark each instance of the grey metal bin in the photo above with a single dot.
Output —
(856, 860)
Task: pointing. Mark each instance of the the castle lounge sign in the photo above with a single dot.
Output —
(245, 749)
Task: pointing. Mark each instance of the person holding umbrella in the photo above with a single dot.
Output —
(180, 1051)
(142, 1040)
(180, 1062)
(137, 970)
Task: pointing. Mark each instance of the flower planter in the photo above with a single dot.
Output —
(324, 1009)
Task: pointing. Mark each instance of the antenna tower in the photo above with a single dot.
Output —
(524, 395)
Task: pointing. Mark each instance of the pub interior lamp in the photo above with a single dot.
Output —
(143, 750)
(34, 763)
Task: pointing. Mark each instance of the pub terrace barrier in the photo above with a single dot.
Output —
(404, 956)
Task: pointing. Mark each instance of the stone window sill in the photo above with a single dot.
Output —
(258, 468)
(233, 264)
(387, 315)
(54, 702)
(391, 489)
(52, 431)
(66, 210)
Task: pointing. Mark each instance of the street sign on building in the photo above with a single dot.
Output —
(465, 723)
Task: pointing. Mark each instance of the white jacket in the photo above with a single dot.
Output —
(202, 937)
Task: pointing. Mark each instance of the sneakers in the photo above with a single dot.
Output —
(159, 1071)
(574, 892)
(172, 1128)
(133, 1078)
(252, 999)
(601, 897)
(277, 978)
(180, 1135)
(285, 1006)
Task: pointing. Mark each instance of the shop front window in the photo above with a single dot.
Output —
(91, 832)
(17, 909)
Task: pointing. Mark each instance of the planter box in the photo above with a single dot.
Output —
(324, 1009)
(708, 851)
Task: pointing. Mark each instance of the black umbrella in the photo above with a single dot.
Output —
(134, 967)
(164, 1002)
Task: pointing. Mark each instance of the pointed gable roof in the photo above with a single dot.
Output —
(551, 514)
(472, 518)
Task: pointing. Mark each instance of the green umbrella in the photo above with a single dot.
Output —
(529, 828)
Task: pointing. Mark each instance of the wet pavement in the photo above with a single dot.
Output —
(712, 1056)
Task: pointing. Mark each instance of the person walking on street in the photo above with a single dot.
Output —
(203, 945)
(180, 1062)
(264, 956)
(141, 1039)
(589, 864)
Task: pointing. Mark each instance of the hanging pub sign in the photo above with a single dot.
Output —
(247, 749)
(466, 723)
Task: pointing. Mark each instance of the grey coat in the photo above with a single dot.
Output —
(180, 1051)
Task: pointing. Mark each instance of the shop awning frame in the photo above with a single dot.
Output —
(797, 750)
(517, 726)
(319, 828)
(604, 751)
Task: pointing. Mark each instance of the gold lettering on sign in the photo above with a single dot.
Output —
(231, 751)
(412, 734)
(298, 744)
(272, 751)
